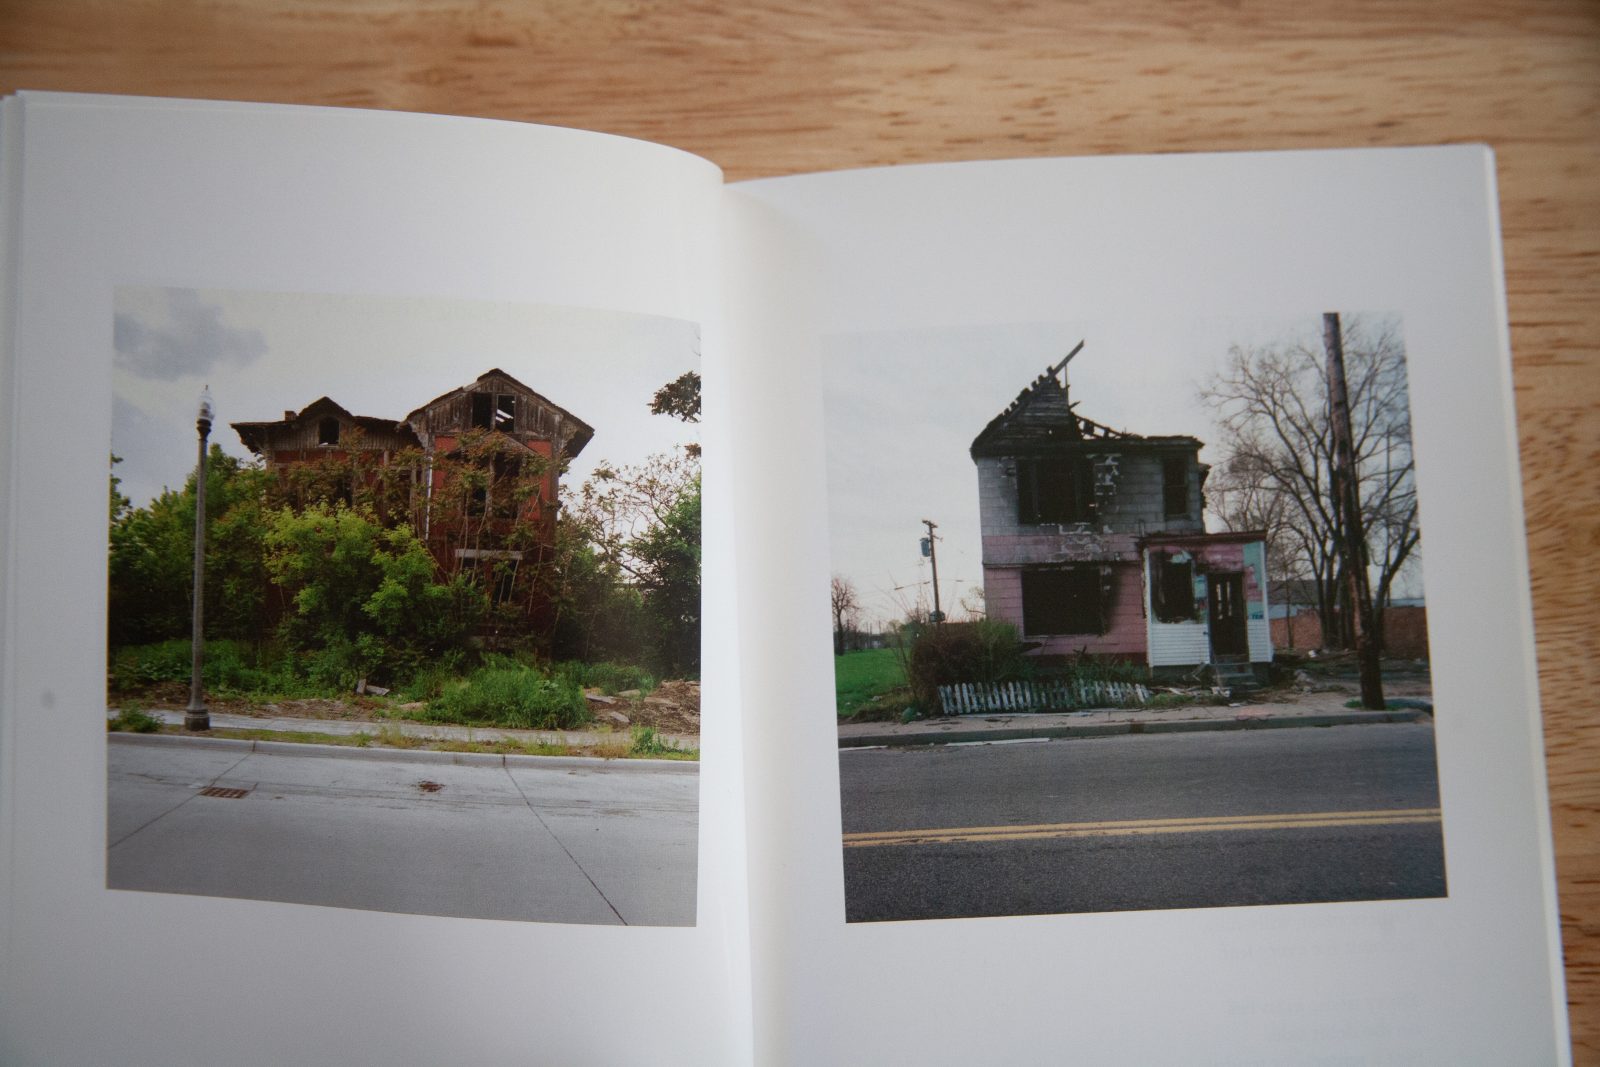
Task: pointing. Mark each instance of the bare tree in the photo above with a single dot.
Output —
(846, 606)
(1276, 465)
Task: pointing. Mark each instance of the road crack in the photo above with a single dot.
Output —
(563, 845)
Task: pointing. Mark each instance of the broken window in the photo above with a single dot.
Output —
(494, 411)
(328, 431)
(1172, 586)
(1055, 489)
(1175, 486)
(1063, 600)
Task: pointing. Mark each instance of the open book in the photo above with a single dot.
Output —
(886, 357)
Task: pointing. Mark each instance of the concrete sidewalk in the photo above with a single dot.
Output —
(1318, 709)
(424, 730)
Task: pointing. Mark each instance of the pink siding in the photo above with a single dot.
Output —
(1125, 636)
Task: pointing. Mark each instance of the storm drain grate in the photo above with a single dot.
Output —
(224, 792)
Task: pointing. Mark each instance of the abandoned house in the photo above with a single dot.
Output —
(1094, 543)
(475, 470)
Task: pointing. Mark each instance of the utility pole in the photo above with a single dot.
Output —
(933, 558)
(1352, 536)
(197, 716)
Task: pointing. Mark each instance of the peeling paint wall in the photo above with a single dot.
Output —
(1188, 643)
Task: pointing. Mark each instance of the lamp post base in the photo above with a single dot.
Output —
(197, 719)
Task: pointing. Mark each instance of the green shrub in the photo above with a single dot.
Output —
(610, 678)
(227, 665)
(646, 742)
(983, 651)
(133, 719)
(514, 696)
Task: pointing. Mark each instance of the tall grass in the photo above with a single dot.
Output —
(511, 695)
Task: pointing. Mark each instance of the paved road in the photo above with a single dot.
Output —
(558, 840)
(1130, 823)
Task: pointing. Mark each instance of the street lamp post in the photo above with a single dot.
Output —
(197, 717)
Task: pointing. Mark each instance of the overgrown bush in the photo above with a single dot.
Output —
(133, 719)
(608, 677)
(365, 601)
(227, 665)
(982, 651)
(513, 696)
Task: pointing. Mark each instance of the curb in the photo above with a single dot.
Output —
(409, 755)
(1148, 726)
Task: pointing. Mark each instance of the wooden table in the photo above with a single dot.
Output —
(764, 90)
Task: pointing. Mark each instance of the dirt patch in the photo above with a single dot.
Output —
(673, 707)
(174, 696)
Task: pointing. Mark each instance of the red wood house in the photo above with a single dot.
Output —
(1094, 542)
(477, 468)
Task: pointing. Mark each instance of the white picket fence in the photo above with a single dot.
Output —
(974, 698)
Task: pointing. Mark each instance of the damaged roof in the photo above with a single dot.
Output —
(579, 434)
(255, 434)
(1043, 417)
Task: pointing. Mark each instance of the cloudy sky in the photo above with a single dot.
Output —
(266, 353)
(902, 409)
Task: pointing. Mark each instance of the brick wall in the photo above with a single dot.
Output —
(1405, 632)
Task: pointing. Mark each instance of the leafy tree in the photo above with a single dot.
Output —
(151, 566)
(679, 398)
(669, 579)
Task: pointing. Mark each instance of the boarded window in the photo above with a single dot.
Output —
(1171, 587)
(1175, 486)
(328, 431)
(1054, 489)
(1063, 600)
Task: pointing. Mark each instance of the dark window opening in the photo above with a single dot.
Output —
(507, 472)
(502, 582)
(328, 431)
(1175, 486)
(1055, 489)
(1171, 588)
(494, 411)
(1067, 600)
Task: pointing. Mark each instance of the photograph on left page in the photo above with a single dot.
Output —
(404, 605)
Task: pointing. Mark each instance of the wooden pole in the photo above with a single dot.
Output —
(1352, 536)
(933, 558)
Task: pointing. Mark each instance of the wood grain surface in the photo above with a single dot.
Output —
(766, 88)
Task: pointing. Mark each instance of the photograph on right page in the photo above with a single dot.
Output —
(1129, 616)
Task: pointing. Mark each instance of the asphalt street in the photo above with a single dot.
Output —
(1141, 822)
(548, 840)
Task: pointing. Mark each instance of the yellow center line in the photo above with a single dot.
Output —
(1210, 824)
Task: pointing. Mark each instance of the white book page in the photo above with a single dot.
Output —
(936, 265)
(119, 196)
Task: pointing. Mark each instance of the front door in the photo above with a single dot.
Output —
(1230, 638)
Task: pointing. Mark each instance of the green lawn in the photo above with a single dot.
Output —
(860, 676)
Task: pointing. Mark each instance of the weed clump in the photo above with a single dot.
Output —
(514, 696)
(135, 720)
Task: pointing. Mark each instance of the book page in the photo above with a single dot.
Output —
(1038, 500)
(449, 342)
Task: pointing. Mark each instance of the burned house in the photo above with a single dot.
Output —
(1094, 542)
(474, 471)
